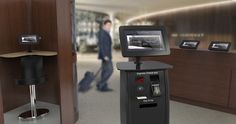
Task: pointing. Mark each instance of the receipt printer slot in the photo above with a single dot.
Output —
(148, 105)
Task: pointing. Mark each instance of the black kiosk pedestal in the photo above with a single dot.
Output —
(144, 91)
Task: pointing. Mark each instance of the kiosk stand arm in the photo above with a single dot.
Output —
(138, 63)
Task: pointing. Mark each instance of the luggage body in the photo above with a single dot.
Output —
(85, 83)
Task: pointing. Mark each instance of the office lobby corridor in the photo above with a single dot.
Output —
(103, 108)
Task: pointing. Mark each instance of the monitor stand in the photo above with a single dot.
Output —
(138, 62)
(29, 49)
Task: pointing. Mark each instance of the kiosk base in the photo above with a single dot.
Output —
(28, 114)
(144, 94)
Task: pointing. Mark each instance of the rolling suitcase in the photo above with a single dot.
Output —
(85, 83)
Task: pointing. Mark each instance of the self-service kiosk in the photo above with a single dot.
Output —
(144, 92)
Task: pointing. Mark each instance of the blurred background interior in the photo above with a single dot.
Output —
(203, 20)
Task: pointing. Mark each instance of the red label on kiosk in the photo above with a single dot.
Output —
(140, 80)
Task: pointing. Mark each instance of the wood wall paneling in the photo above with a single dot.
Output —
(44, 23)
(205, 105)
(201, 77)
(1, 107)
(200, 83)
(215, 23)
(49, 91)
(12, 23)
(64, 33)
(13, 16)
(2, 32)
(16, 24)
(13, 95)
(232, 101)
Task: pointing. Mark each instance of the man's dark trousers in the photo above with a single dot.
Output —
(107, 70)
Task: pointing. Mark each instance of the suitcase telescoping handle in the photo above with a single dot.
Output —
(96, 74)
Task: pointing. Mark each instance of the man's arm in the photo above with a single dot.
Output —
(101, 45)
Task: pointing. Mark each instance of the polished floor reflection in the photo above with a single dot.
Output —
(52, 118)
(103, 108)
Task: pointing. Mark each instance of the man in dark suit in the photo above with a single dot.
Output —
(105, 55)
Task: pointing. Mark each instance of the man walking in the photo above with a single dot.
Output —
(105, 55)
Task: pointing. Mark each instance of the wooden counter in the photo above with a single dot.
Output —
(25, 53)
(203, 78)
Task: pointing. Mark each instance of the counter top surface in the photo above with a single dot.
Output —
(204, 50)
(145, 66)
(25, 53)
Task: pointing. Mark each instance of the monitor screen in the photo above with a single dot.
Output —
(219, 46)
(189, 44)
(29, 39)
(143, 41)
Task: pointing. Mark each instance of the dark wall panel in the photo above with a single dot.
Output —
(200, 83)
(13, 23)
(205, 24)
(13, 14)
(1, 107)
(49, 91)
(204, 78)
(65, 61)
(13, 94)
(44, 23)
(232, 101)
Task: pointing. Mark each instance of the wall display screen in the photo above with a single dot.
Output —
(143, 41)
(189, 44)
(219, 46)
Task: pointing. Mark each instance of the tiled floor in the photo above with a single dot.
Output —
(103, 108)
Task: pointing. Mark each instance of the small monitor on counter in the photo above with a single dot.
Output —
(189, 44)
(29, 39)
(219, 46)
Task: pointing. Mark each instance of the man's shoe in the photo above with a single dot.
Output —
(106, 90)
(83, 90)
